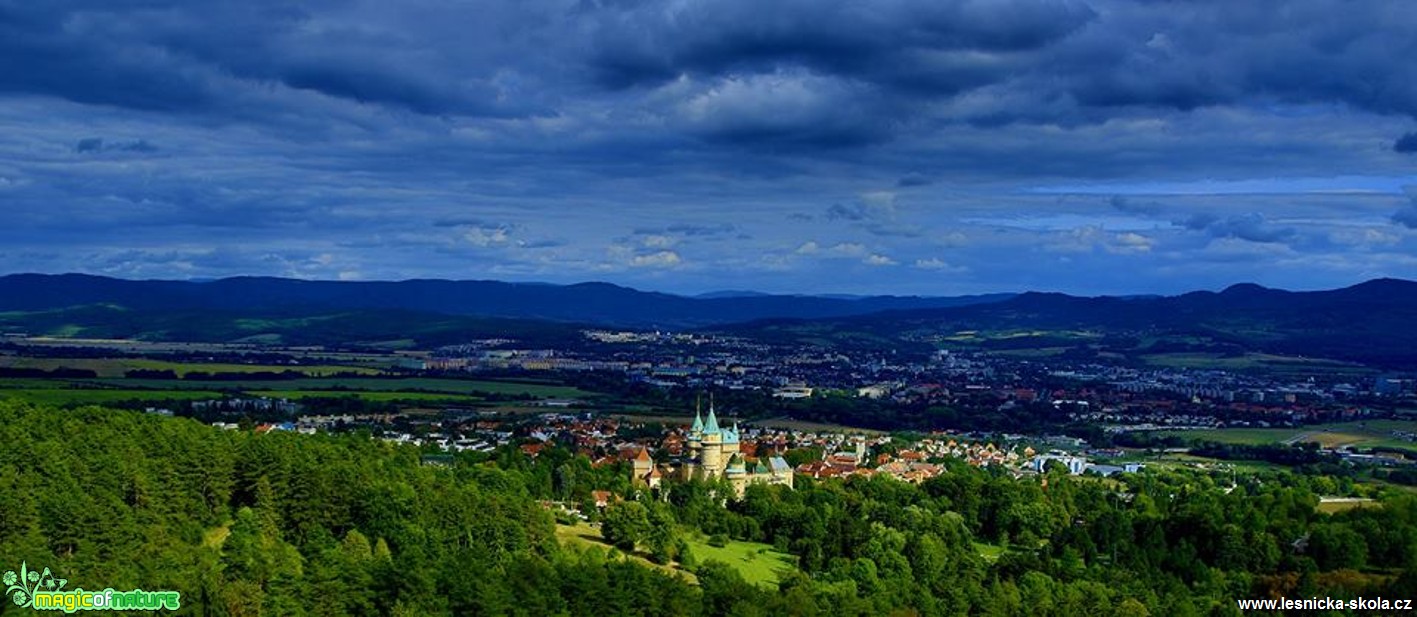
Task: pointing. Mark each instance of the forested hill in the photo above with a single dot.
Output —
(599, 303)
(285, 524)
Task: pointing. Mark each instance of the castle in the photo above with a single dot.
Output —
(714, 452)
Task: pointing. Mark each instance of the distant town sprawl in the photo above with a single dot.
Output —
(1169, 395)
(632, 395)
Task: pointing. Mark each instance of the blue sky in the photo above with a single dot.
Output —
(890, 146)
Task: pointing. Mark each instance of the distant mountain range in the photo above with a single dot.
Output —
(1373, 323)
(592, 303)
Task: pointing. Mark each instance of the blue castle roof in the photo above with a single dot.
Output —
(730, 435)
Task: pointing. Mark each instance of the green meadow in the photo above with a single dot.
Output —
(758, 563)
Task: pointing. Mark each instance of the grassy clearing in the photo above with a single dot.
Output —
(990, 552)
(1334, 505)
(99, 397)
(585, 535)
(758, 563)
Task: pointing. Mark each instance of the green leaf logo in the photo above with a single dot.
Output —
(22, 585)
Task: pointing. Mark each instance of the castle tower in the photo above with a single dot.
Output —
(712, 457)
(696, 433)
(737, 474)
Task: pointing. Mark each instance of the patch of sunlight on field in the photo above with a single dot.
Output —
(758, 563)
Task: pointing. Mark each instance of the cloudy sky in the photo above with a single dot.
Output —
(880, 146)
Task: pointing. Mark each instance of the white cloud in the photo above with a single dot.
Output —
(840, 249)
(485, 237)
(662, 259)
(876, 259)
(848, 249)
(1365, 236)
(1130, 243)
(658, 241)
(939, 265)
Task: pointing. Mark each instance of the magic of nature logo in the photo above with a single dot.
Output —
(42, 591)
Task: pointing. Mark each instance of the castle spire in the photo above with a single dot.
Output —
(711, 426)
(698, 416)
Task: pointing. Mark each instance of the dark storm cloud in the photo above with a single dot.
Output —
(797, 74)
(97, 144)
(1251, 227)
(912, 180)
(687, 230)
(459, 222)
(847, 212)
(1407, 143)
(1132, 206)
(702, 230)
(209, 55)
(1406, 216)
(906, 43)
(530, 139)
(1026, 61)
(877, 217)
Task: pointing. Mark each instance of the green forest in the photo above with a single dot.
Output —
(284, 524)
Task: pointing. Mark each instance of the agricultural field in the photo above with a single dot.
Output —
(1364, 434)
(117, 367)
(370, 387)
(981, 336)
(1184, 460)
(790, 424)
(374, 397)
(1268, 363)
(356, 384)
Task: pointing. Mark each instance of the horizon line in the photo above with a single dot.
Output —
(746, 293)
